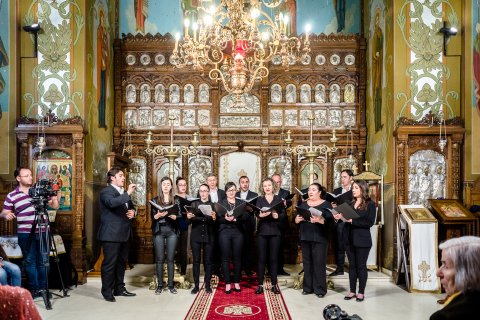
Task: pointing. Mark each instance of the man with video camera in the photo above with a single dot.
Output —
(18, 205)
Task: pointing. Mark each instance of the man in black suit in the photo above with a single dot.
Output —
(115, 231)
(216, 195)
(248, 227)
(346, 180)
(282, 193)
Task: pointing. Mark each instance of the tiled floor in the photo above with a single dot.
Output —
(383, 300)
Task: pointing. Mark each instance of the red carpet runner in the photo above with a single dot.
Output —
(242, 305)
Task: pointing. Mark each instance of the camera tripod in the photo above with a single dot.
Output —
(46, 246)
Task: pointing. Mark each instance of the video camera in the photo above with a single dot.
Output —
(43, 190)
(334, 312)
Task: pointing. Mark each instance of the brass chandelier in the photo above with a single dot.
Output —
(236, 39)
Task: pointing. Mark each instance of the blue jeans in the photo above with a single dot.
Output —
(10, 274)
(35, 263)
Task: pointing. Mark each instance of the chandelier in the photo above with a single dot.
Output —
(236, 39)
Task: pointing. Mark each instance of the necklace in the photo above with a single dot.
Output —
(231, 205)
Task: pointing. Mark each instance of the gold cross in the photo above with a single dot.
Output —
(424, 267)
(366, 164)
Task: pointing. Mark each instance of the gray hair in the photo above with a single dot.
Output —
(465, 255)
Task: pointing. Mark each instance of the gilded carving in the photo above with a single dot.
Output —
(251, 104)
(239, 121)
(291, 118)
(139, 178)
(276, 119)
(199, 169)
(203, 117)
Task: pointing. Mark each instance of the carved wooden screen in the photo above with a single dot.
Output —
(148, 89)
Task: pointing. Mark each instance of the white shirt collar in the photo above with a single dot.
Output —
(119, 189)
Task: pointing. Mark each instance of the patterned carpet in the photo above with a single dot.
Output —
(245, 304)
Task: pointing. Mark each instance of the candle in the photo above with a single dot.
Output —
(186, 23)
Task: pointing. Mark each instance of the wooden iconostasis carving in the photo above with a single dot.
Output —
(148, 89)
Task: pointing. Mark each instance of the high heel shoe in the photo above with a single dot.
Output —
(259, 290)
(349, 297)
(275, 289)
(228, 291)
(360, 299)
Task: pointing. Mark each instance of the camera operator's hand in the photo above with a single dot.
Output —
(131, 214)
(7, 215)
(131, 188)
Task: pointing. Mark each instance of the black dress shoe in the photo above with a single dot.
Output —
(172, 290)
(305, 293)
(259, 290)
(336, 273)
(360, 299)
(237, 290)
(349, 297)
(109, 299)
(125, 293)
(320, 295)
(194, 290)
(159, 290)
(228, 291)
(208, 290)
(275, 289)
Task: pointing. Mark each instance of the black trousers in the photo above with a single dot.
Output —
(113, 267)
(268, 246)
(340, 245)
(357, 260)
(231, 244)
(248, 252)
(207, 261)
(314, 257)
(182, 252)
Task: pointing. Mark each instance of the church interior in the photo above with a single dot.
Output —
(387, 89)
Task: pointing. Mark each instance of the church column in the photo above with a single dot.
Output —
(330, 170)
(78, 251)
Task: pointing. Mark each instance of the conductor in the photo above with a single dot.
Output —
(115, 231)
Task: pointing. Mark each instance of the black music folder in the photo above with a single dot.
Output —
(308, 213)
(236, 211)
(341, 198)
(171, 209)
(346, 210)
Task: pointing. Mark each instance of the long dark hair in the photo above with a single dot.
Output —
(161, 198)
(363, 185)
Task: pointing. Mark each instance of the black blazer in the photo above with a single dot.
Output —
(269, 226)
(316, 232)
(282, 193)
(156, 223)
(220, 193)
(223, 224)
(337, 191)
(464, 306)
(202, 226)
(249, 215)
(114, 223)
(359, 230)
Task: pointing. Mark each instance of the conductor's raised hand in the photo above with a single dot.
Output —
(131, 188)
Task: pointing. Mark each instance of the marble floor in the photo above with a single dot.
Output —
(383, 300)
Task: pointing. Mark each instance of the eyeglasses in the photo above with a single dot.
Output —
(204, 190)
(27, 176)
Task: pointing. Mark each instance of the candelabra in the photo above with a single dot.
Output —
(311, 152)
(172, 152)
(236, 39)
